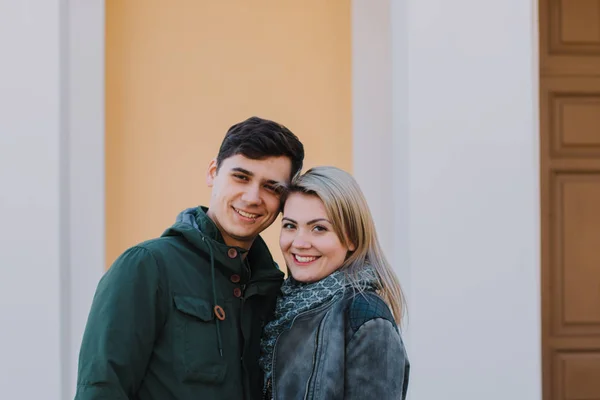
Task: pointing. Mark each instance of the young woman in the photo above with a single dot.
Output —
(334, 334)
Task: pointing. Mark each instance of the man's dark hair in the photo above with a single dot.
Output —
(258, 138)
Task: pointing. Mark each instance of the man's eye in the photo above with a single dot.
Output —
(241, 177)
(273, 189)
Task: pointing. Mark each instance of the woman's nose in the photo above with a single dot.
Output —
(300, 242)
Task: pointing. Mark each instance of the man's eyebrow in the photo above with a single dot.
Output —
(280, 186)
(243, 171)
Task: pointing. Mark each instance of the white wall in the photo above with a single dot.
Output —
(446, 147)
(30, 147)
(372, 106)
(464, 188)
(85, 119)
(51, 189)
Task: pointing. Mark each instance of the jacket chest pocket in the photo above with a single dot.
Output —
(196, 343)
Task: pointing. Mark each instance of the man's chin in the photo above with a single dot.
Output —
(243, 236)
(247, 231)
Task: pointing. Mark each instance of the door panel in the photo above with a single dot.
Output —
(576, 376)
(575, 240)
(571, 112)
(570, 184)
(570, 36)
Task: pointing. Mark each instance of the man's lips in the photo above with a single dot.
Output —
(246, 214)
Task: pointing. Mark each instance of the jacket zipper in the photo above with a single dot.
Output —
(269, 390)
(290, 327)
(314, 363)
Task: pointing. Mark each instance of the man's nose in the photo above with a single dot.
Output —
(252, 195)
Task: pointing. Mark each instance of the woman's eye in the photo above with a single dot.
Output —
(319, 228)
(288, 226)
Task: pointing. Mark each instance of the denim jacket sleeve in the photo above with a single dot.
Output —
(377, 366)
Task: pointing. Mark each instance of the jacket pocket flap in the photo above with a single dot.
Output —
(194, 306)
(211, 374)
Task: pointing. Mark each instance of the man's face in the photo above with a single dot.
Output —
(245, 199)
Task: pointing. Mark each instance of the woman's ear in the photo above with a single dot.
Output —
(351, 246)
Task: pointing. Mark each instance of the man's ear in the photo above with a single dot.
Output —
(211, 173)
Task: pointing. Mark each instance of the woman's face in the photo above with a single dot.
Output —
(311, 249)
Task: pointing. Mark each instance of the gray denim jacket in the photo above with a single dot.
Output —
(348, 349)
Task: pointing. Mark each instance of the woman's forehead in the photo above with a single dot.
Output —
(304, 205)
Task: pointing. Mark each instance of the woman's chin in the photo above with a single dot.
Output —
(302, 277)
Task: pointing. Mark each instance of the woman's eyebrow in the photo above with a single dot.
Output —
(314, 221)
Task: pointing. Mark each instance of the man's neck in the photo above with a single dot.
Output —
(230, 241)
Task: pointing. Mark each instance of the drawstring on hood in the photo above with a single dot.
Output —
(189, 217)
(201, 232)
(214, 291)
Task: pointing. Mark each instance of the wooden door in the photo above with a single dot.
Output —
(570, 195)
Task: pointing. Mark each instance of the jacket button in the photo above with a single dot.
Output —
(232, 253)
(235, 278)
(237, 292)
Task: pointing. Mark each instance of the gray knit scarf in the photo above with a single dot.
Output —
(298, 297)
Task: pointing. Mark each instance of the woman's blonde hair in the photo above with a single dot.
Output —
(351, 218)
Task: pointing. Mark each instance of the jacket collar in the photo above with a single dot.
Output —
(198, 228)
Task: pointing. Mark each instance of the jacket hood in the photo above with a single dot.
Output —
(200, 231)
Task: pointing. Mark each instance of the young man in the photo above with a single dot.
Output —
(180, 316)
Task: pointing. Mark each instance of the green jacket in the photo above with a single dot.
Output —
(152, 333)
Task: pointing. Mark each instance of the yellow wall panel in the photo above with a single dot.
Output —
(180, 72)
